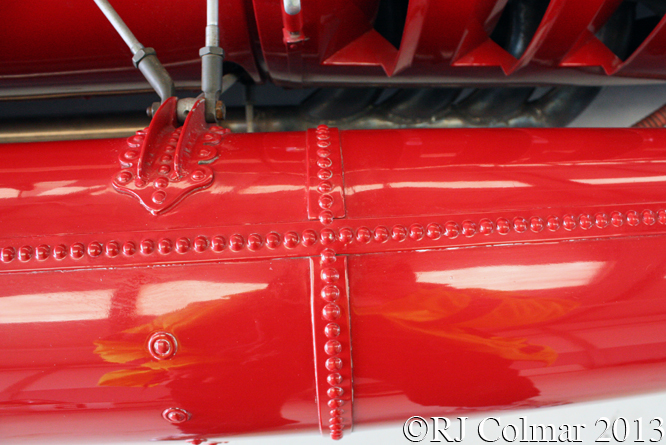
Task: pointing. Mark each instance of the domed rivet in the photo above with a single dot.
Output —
(416, 232)
(147, 247)
(451, 230)
(200, 243)
(600, 220)
(324, 174)
(60, 252)
(182, 245)
(161, 183)
(162, 345)
(198, 175)
(569, 222)
(323, 152)
(324, 162)
(323, 136)
(334, 363)
(519, 225)
(129, 248)
(327, 237)
(25, 253)
(254, 241)
(468, 229)
(662, 216)
(159, 197)
(326, 217)
(131, 154)
(333, 380)
(486, 226)
(8, 254)
(333, 347)
(332, 330)
(164, 246)
(334, 392)
(331, 312)
(434, 231)
(290, 240)
(399, 233)
(323, 144)
(164, 169)
(335, 420)
(42, 252)
(218, 243)
(617, 219)
(330, 275)
(124, 177)
(503, 227)
(135, 140)
(176, 415)
(139, 182)
(112, 249)
(166, 159)
(94, 249)
(204, 152)
(585, 222)
(381, 234)
(648, 217)
(363, 235)
(536, 224)
(335, 403)
(273, 240)
(325, 201)
(346, 235)
(632, 218)
(553, 223)
(236, 242)
(325, 187)
(76, 251)
(309, 237)
(328, 256)
(330, 293)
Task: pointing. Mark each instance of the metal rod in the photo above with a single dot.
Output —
(212, 28)
(119, 25)
(212, 57)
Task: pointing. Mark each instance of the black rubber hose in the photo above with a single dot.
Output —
(419, 104)
(331, 104)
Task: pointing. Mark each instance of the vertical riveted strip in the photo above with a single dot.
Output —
(325, 182)
(332, 342)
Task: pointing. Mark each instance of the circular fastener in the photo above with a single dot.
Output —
(451, 230)
(161, 183)
(42, 252)
(236, 242)
(335, 403)
(323, 136)
(182, 245)
(200, 243)
(218, 243)
(399, 233)
(330, 293)
(325, 187)
(334, 364)
(662, 216)
(176, 415)
(569, 222)
(536, 224)
(135, 140)
(254, 242)
(147, 246)
(290, 240)
(309, 237)
(328, 256)
(632, 218)
(324, 162)
(434, 231)
(333, 380)
(206, 152)
(164, 169)
(519, 225)
(326, 217)
(468, 229)
(416, 232)
(585, 222)
(323, 144)
(363, 235)
(331, 312)
(335, 420)
(77, 250)
(124, 177)
(333, 347)
(330, 275)
(553, 223)
(332, 330)
(129, 248)
(346, 235)
(159, 197)
(600, 220)
(323, 152)
(131, 154)
(162, 345)
(617, 219)
(503, 227)
(8, 254)
(198, 175)
(336, 411)
(325, 201)
(334, 392)
(60, 252)
(94, 249)
(112, 249)
(25, 253)
(273, 240)
(324, 174)
(381, 234)
(164, 246)
(166, 159)
(327, 237)
(486, 226)
(648, 217)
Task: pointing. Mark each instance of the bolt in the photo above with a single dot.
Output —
(220, 110)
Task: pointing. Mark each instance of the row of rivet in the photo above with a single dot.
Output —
(325, 201)
(332, 312)
(328, 236)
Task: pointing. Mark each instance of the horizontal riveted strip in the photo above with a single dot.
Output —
(332, 342)
(325, 182)
(307, 238)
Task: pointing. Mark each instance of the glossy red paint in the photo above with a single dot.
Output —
(49, 45)
(457, 270)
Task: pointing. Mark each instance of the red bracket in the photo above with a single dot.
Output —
(160, 166)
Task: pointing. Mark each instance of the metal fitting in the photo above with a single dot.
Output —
(214, 50)
(141, 54)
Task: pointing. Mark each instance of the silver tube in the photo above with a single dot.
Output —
(212, 29)
(292, 7)
(119, 25)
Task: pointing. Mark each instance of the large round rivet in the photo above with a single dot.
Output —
(325, 201)
(324, 162)
(330, 293)
(60, 252)
(381, 234)
(124, 177)
(399, 233)
(416, 232)
(112, 249)
(164, 169)
(334, 392)
(94, 249)
(503, 227)
(77, 250)
(648, 217)
(519, 224)
(182, 245)
(585, 221)
(147, 247)
(333, 380)
(333, 347)
(326, 217)
(331, 312)
(632, 218)
(218, 243)
(8, 254)
(198, 175)
(328, 256)
(434, 231)
(129, 248)
(236, 242)
(617, 219)
(25, 253)
(330, 275)
(600, 220)
(159, 197)
(334, 363)
(332, 330)
(161, 183)
(451, 230)
(254, 241)
(290, 240)
(468, 229)
(335, 403)
(323, 152)
(486, 226)
(346, 235)
(42, 252)
(569, 222)
(662, 216)
(162, 345)
(327, 237)
(536, 224)
(553, 223)
(309, 237)
(200, 243)
(273, 240)
(324, 174)
(363, 235)
(164, 246)
(176, 415)
(325, 187)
